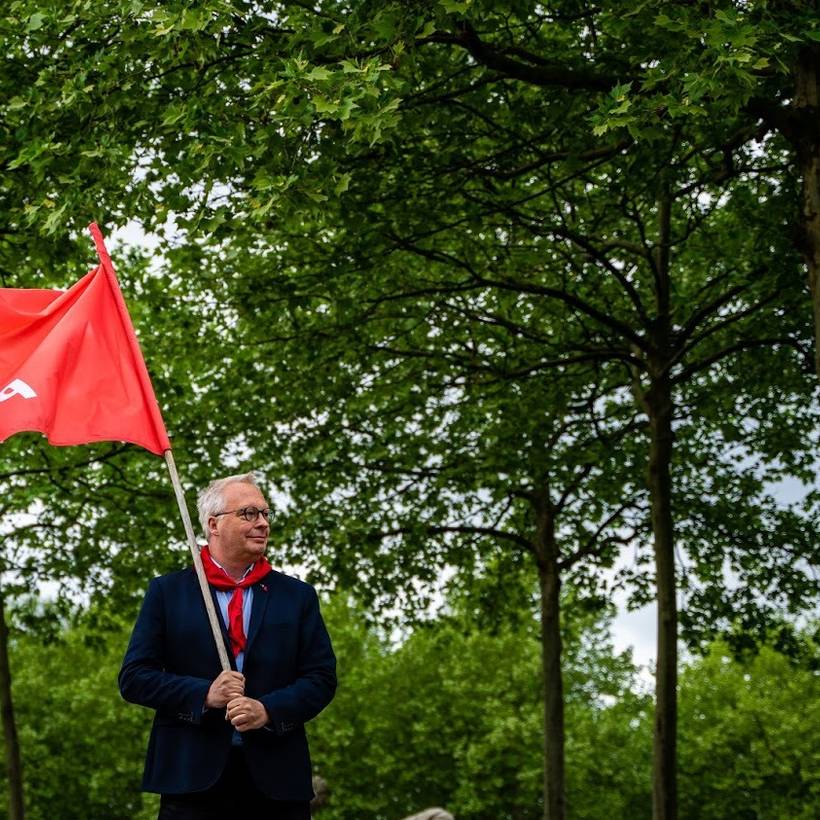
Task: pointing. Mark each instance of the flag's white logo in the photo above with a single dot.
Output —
(17, 387)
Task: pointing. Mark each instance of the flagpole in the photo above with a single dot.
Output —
(207, 598)
(200, 570)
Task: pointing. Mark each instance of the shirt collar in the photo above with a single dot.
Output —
(250, 567)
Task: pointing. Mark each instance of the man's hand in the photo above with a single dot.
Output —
(225, 688)
(247, 713)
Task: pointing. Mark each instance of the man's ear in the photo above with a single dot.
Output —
(212, 525)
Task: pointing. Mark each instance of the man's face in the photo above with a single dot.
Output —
(234, 540)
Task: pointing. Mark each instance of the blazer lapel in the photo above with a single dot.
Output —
(261, 596)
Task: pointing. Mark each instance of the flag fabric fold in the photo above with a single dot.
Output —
(71, 367)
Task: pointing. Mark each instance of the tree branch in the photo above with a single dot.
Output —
(538, 72)
(739, 347)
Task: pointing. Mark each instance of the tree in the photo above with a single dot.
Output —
(748, 730)
(562, 105)
(452, 716)
(82, 746)
(448, 268)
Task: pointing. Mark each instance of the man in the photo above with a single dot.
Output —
(230, 743)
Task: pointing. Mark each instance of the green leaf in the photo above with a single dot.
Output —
(36, 21)
(428, 28)
(318, 73)
(324, 105)
(619, 92)
(342, 184)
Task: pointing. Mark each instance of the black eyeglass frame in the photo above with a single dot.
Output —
(242, 512)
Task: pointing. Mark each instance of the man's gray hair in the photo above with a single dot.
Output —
(212, 499)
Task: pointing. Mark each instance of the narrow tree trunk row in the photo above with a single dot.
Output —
(806, 138)
(664, 781)
(551, 646)
(659, 406)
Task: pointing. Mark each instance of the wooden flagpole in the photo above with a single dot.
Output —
(200, 570)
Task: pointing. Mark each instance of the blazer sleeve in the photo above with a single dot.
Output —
(144, 679)
(315, 681)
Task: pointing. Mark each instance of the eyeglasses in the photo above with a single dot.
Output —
(248, 513)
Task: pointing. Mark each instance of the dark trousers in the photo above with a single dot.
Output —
(234, 795)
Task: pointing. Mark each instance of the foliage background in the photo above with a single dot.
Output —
(417, 254)
(451, 716)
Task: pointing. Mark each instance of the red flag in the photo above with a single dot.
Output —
(71, 367)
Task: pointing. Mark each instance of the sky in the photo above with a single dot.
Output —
(636, 630)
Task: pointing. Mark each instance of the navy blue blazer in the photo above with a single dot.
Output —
(171, 661)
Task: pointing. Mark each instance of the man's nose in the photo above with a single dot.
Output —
(261, 522)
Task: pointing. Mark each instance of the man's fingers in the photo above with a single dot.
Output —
(239, 719)
(244, 714)
(227, 684)
(239, 713)
(230, 709)
(233, 686)
(242, 723)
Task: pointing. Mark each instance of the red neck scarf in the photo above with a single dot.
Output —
(219, 579)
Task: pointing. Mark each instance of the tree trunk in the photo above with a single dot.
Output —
(659, 407)
(664, 779)
(550, 586)
(13, 767)
(807, 143)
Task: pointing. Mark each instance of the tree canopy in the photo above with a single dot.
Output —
(479, 286)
